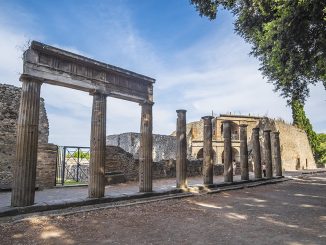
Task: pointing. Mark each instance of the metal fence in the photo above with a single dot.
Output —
(72, 165)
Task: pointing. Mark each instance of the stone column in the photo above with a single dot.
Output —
(207, 151)
(277, 153)
(244, 152)
(268, 154)
(96, 182)
(181, 138)
(256, 153)
(24, 168)
(228, 168)
(146, 149)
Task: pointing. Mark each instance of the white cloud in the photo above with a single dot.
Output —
(214, 73)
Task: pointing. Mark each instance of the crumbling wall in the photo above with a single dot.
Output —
(9, 106)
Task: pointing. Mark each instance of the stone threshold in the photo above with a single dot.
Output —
(62, 204)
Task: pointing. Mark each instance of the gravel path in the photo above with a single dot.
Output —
(292, 212)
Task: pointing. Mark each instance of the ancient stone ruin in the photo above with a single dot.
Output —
(46, 64)
(47, 153)
(228, 145)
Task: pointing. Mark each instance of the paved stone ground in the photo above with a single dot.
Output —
(292, 213)
(129, 188)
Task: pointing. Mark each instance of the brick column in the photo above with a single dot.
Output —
(228, 168)
(146, 149)
(256, 153)
(207, 151)
(277, 153)
(96, 182)
(268, 154)
(244, 152)
(181, 171)
(24, 168)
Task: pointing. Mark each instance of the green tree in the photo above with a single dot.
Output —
(321, 149)
(289, 39)
(301, 121)
(287, 36)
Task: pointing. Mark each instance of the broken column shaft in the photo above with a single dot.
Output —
(146, 148)
(181, 138)
(268, 154)
(244, 152)
(96, 182)
(207, 151)
(228, 168)
(277, 153)
(256, 153)
(24, 171)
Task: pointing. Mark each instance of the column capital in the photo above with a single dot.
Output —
(226, 121)
(97, 92)
(29, 78)
(181, 111)
(146, 102)
(276, 133)
(207, 118)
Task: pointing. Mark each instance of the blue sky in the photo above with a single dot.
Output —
(199, 65)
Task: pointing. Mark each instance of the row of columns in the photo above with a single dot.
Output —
(24, 171)
(23, 188)
(181, 168)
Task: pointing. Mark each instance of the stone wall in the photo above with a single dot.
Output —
(46, 165)
(163, 145)
(295, 149)
(9, 106)
(118, 160)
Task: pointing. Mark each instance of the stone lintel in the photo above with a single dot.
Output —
(59, 67)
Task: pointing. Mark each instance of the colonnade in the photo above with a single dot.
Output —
(272, 152)
(23, 187)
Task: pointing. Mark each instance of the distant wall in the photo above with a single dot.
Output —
(164, 146)
(118, 159)
(296, 152)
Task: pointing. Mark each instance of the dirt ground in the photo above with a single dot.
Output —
(292, 212)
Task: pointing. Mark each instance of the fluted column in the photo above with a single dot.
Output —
(146, 149)
(228, 168)
(256, 153)
(244, 152)
(277, 153)
(181, 172)
(207, 151)
(96, 181)
(268, 154)
(24, 168)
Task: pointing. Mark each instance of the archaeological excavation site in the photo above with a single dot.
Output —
(215, 150)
